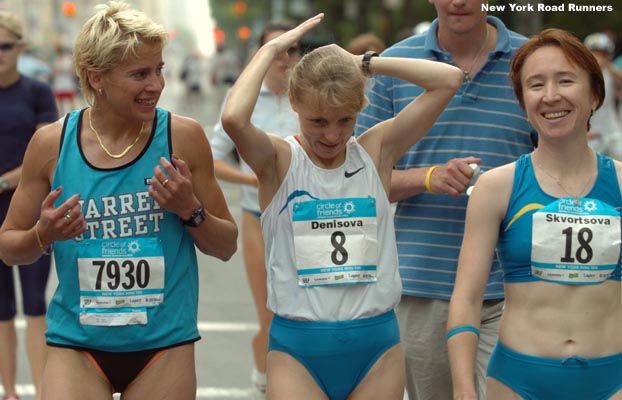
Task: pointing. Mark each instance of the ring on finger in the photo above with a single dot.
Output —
(164, 182)
(68, 219)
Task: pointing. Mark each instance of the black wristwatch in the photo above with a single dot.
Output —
(196, 219)
(365, 63)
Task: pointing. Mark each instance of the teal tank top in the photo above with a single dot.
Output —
(130, 282)
(573, 251)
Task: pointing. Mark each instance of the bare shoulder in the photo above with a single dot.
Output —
(500, 181)
(280, 143)
(372, 139)
(382, 151)
(48, 136)
(188, 140)
(618, 167)
(502, 175)
(185, 127)
(282, 159)
(44, 147)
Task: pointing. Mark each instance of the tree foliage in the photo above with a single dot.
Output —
(393, 19)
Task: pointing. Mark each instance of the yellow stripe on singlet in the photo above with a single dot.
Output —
(522, 211)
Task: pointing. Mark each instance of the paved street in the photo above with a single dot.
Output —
(226, 312)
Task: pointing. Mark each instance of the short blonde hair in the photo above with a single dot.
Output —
(12, 23)
(332, 76)
(110, 36)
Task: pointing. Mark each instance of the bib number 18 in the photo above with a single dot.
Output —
(584, 253)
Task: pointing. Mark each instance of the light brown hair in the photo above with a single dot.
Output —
(573, 49)
(332, 76)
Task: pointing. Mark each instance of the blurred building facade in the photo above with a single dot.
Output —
(49, 23)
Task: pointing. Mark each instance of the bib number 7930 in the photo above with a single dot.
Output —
(127, 274)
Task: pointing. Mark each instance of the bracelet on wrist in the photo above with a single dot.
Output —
(46, 250)
(428, 176)
(461, 329)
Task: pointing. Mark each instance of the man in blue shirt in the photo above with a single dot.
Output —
(483, 124)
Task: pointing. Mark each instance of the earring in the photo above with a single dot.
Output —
(100, 91)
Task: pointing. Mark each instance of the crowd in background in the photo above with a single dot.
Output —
(221, 69)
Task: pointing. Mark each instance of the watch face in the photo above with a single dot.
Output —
(198, 216)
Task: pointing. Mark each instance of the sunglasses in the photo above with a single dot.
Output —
(8, 46)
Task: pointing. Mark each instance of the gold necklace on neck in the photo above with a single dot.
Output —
(101, 144)
(576, 200)
(467, 72)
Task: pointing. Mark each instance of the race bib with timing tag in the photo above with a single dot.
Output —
(119, 279)
(335, 241)
(575, 242)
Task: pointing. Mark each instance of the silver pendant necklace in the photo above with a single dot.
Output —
(575, 197)
(467, 72)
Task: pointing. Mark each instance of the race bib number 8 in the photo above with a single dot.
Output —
(575, 242)
(335, 241)
(118, 279)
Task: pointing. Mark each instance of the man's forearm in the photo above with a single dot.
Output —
(407, 183)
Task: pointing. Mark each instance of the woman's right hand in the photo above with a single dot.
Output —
(285, 41)
(63, 222)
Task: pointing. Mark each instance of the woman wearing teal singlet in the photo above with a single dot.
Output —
(124, 192)
(553, 217)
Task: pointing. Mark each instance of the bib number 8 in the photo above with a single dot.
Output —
(339, 256)
(126, 275)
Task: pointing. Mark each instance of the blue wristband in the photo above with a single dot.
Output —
(462, 328)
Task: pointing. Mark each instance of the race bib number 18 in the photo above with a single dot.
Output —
(575, 242)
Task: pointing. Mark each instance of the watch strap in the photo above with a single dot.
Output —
(366, 60)
(196, 219)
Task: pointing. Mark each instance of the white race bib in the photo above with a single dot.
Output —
(335, 241)
(119, 279)
(575, 242)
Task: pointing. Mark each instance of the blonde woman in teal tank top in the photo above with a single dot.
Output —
(125, 191)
